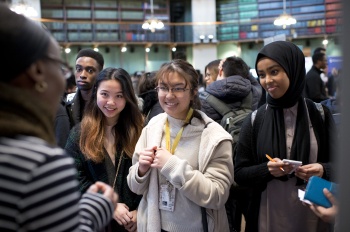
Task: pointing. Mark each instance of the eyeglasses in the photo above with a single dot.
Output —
(64, 68)
(165, 90)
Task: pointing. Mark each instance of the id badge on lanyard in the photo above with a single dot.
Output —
(167, 191)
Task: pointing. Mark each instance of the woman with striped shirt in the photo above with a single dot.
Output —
(38, 186)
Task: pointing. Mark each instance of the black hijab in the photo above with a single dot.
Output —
(271, 138)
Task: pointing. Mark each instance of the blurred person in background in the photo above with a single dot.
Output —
(148, 93)
(88, 64)
(211, 72)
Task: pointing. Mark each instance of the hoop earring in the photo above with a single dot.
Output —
(41, 86)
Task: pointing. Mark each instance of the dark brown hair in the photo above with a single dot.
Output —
(146, 90)
(233, 66)
(147, 82)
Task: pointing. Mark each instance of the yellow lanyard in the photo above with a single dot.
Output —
(179, 134)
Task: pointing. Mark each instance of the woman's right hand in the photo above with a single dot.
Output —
(146, 159)
(105, 190)
(275, 168)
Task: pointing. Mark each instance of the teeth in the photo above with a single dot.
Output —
(171, 104)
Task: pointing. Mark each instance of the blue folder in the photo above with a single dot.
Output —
(314, 191)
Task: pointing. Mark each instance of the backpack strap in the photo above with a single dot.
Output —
(320, 109)
(216, 103)
(256, 123)
(252, 119)
(254, 113)
(221, 106)
(247, 101)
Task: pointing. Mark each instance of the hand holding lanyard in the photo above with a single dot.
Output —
(163, 154)
(179, 134)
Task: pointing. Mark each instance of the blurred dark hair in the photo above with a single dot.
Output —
(147, 82)
(320, 50)
(317, 57)
(234, 65)
(180, 56)
(146, 90)
(24, 42)
(71, 81)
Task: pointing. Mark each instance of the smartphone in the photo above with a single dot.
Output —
(295, 164)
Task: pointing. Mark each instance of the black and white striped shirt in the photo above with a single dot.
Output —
(39, 190)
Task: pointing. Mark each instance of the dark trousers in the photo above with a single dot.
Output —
(236, 206)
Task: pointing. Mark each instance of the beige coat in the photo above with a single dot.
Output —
(211, 190)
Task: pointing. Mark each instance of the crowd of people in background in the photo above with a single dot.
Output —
(118, 152)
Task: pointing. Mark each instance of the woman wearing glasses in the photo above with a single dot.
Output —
(211, 72)
(182, 161)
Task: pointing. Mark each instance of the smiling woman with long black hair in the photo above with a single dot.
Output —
(103, 144)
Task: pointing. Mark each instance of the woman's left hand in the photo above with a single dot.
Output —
(122, 214)
(161, 157)
(132, 225)
(306, 171)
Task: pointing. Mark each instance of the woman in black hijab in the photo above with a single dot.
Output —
(287, 127)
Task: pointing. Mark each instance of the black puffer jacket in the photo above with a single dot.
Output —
(230, 90)
(256, 91)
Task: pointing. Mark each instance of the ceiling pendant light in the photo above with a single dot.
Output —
(284, 19)
(152, 23)
(25, 9)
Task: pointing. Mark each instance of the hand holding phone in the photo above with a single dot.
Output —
(294, 163)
